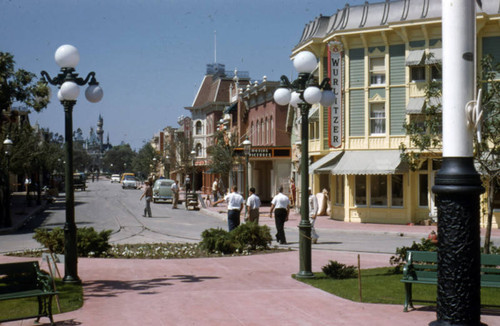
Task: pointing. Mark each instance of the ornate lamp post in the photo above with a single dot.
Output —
(193, 157)
(7, 146)
(305, 93)
(67, 57)
(458, 185)
(247, 147)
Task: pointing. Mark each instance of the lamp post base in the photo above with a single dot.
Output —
(305, 250)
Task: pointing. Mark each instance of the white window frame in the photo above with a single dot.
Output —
(378, 107)
(377, 71)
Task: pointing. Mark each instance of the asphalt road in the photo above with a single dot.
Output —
(106, 206)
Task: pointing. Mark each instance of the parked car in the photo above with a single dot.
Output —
(115, 178)
(79, 181)
(162, 190)
(130, 182)
(125, 175)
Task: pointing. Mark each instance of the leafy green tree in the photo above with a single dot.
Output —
(425, 133)
(81, 159)
(143, 160)
(222, 153)
(119, 158)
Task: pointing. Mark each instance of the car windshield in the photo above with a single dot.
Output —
(129, 178)
(165, 183)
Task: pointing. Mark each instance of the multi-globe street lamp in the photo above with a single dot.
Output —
(167, 166)
(304, 92)
(247, 148)
(7, 147)
(67, 57)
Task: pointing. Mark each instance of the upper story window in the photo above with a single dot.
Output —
(417, 73)
(377, 118)
(377, 71)
(199, 150)
(198, 128)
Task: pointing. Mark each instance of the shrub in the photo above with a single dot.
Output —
(339, 271)
(247, 236)
(400, 258)
(89, 241)
(251, 236)
(217, 240)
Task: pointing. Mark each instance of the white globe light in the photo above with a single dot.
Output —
(67, 56)
(59, 96)
(312, 95)
(305, 62)
(295, 99)
(327, 98)
(94, 93)
(69, 91)
(282, 96)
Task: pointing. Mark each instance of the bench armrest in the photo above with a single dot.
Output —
(44, 281)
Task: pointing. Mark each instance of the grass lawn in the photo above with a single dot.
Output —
(380, 285)
(70, 298)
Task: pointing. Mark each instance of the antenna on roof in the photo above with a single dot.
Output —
(215, 46)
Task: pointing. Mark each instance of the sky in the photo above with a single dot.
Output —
(150, 56)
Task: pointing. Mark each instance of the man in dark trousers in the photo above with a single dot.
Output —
(281, 207)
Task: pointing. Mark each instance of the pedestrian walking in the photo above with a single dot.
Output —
(187, 184)
(235, 203)
(313, 213)
(281, 207)
(148, 193)
(253, 205)
(215, 190)
(293, 193)
(175, 193)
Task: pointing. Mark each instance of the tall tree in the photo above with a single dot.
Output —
(119, 158)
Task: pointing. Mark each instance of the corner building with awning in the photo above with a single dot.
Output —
(380, 58)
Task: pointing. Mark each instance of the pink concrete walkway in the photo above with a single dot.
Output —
(252, 290)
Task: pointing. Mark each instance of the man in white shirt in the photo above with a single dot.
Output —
(235, 203)
(253, 204)
(215, 190)
(313, 212)
(281, 207)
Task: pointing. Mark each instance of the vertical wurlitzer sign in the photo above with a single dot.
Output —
(335, 111)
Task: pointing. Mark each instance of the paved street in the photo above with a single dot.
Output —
(106, 205)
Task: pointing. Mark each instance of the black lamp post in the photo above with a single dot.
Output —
(67, 57)
(247, 147)
(193, 156)
(305, 93)
(7, 146)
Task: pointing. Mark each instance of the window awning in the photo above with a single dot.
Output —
(416, 104)
(415, 58)
(435, 56)
(314, 113)
(317, 167)
(370, 163)
(231, 108)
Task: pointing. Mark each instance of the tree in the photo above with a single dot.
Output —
(119, 158)
(222, 153)
(425, 133)
(143, 160)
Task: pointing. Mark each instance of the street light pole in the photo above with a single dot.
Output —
(167, 165)
(305, 93)
(458, 185)
(7, 145)
(247, 147)
(67, 57)
(193, 155)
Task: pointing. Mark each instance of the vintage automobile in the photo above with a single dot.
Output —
(79, 181)
(115, 178)
(162, 190)
(130, 182)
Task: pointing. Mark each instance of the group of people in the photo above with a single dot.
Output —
(280, 205)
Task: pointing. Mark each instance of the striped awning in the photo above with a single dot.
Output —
(416, 104)
(435, 56)
(370, 163)
(318, 166)
(415, 58)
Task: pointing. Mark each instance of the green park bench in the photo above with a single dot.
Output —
(421, 268)
(26, 280)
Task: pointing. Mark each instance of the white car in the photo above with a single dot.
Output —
(115, 178)
(130, 182)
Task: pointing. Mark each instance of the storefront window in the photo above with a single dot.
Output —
(378, 193)
(423, 185)
(397, 190)
(360, 190)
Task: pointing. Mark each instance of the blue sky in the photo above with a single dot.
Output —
(150, 56)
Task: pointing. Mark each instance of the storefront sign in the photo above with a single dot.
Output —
(335, 111)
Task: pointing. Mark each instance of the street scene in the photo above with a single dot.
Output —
(276, 170)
